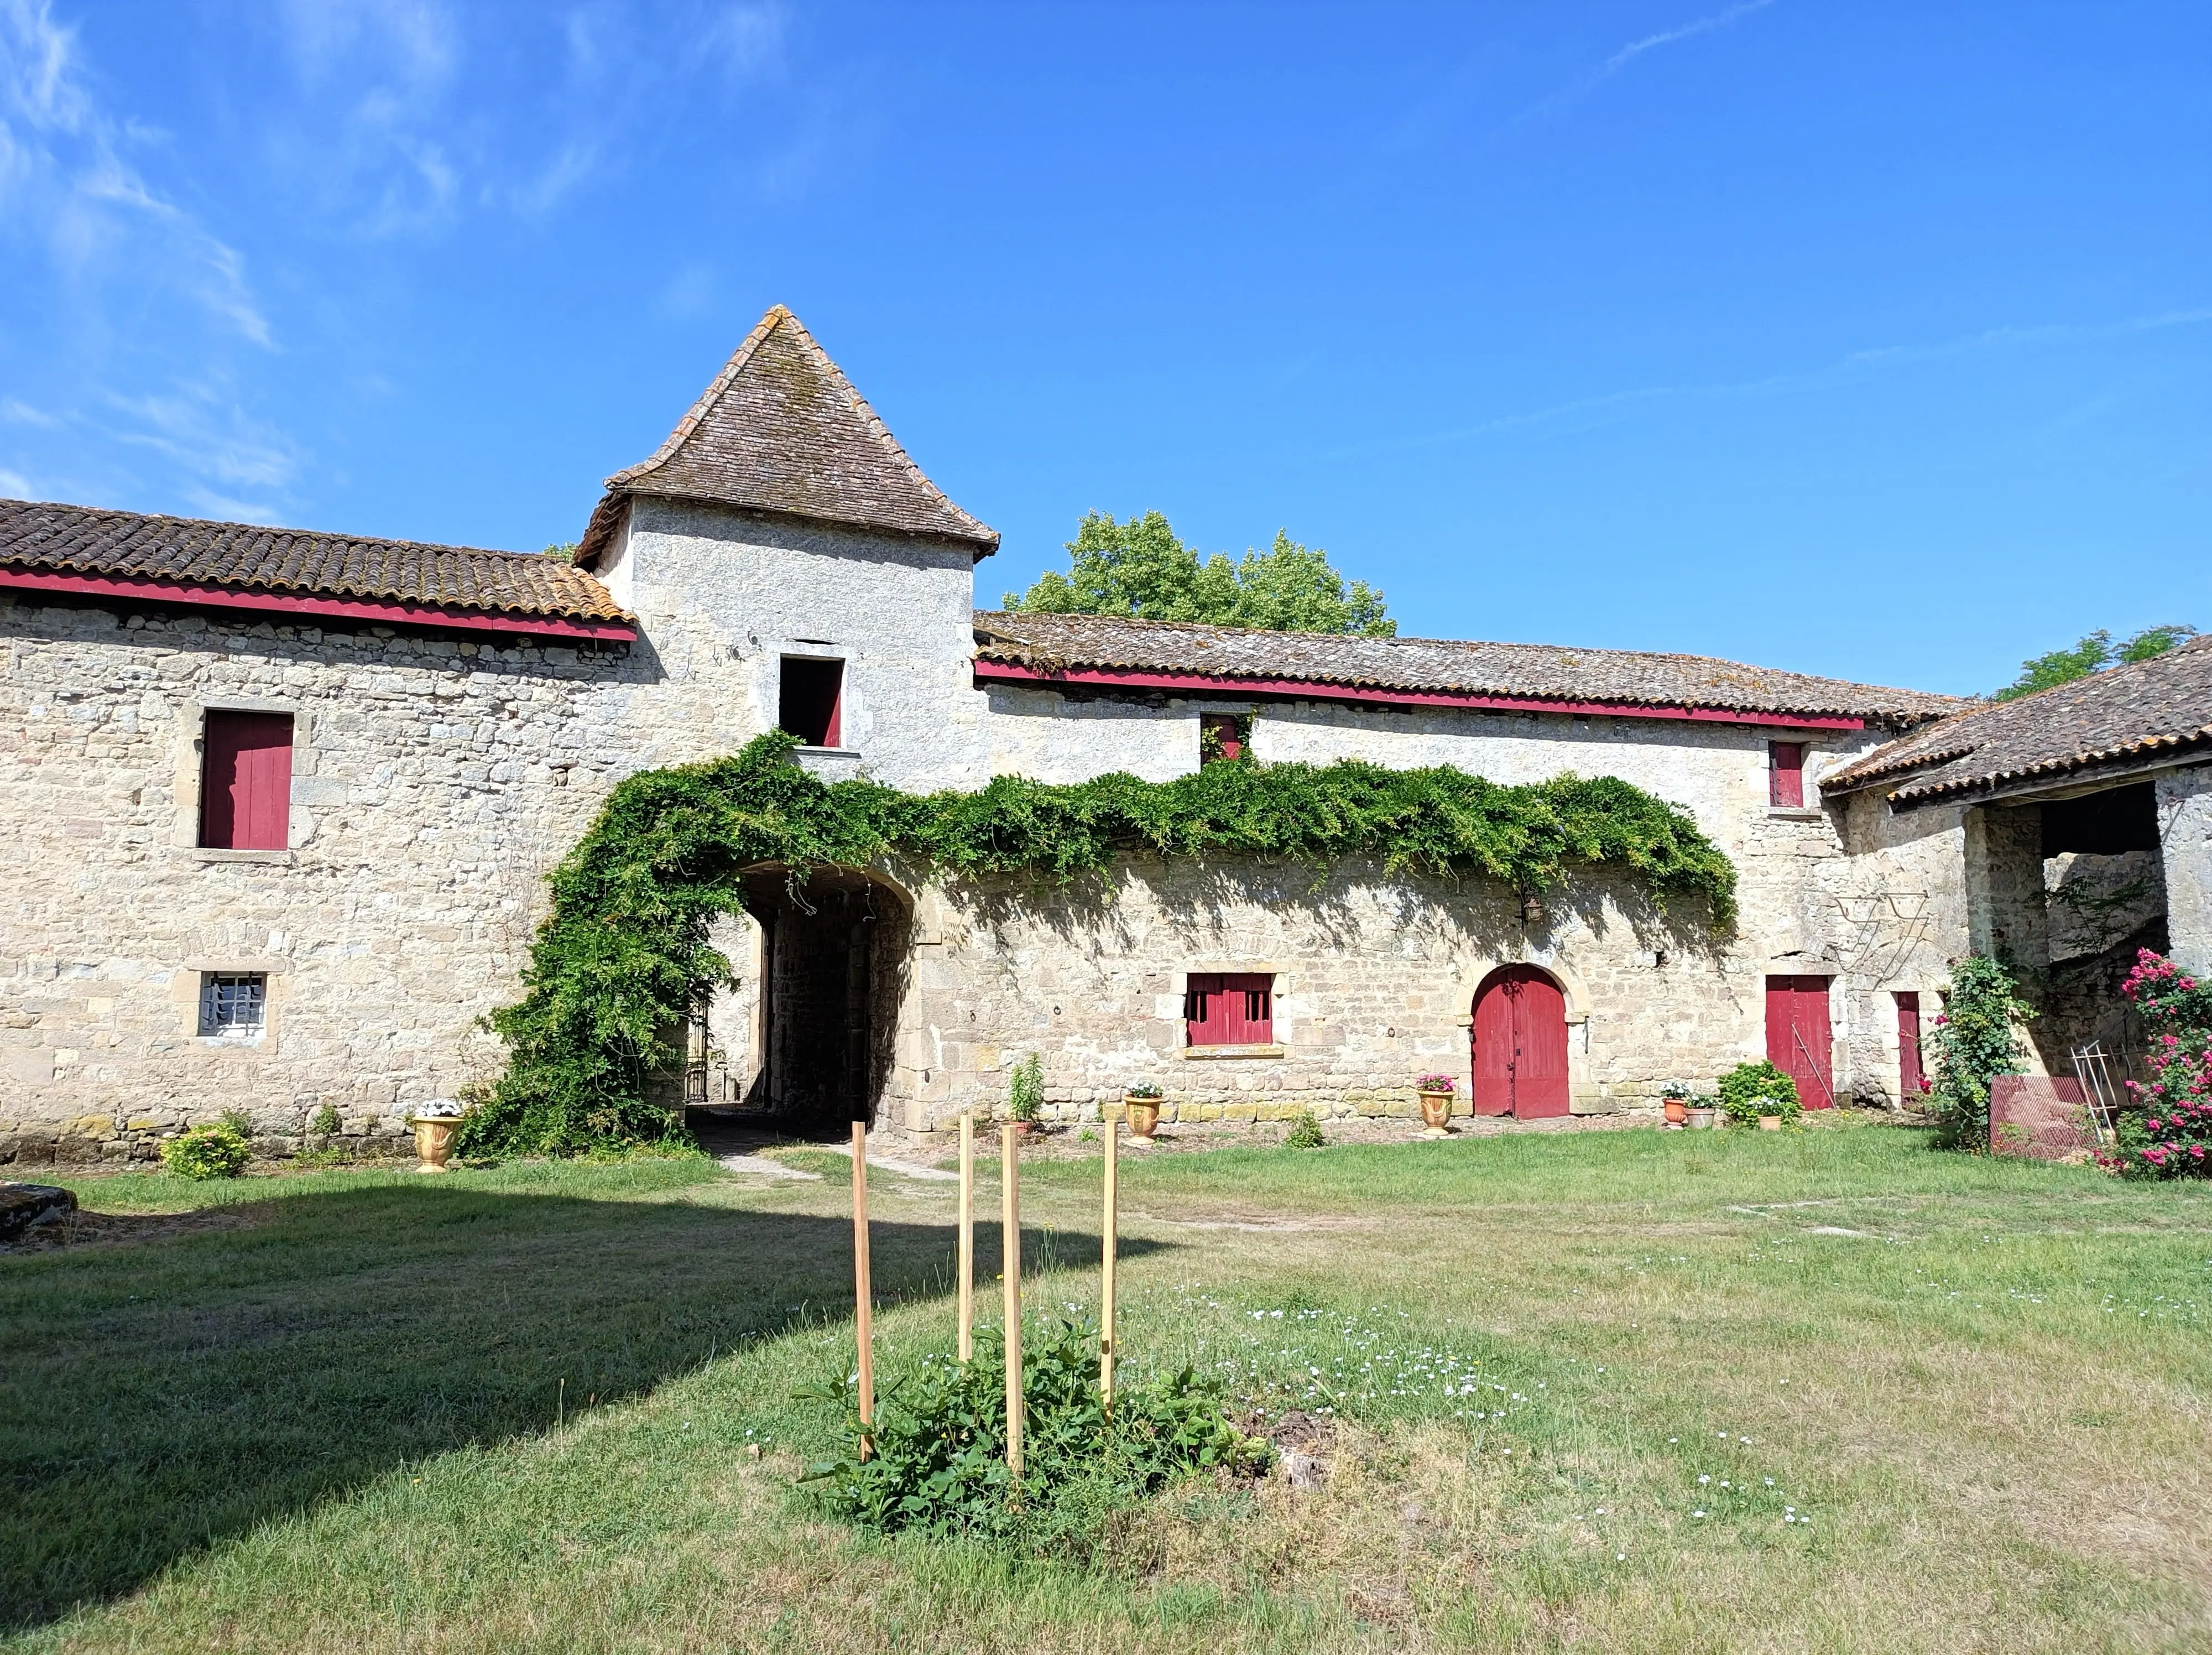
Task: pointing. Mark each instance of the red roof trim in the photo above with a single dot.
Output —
(1365, 694)
(391, 612)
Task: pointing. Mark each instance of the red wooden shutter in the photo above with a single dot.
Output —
(1912, 1080)
(1250, 1004)
(1798, 1040)
(1233, 1008)
(1223, 728)
(1785, 773)
(1205, 1009)
(245, 781)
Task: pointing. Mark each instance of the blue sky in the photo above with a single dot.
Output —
(1867, 339)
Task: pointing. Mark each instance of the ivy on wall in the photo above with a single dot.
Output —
(619, 962)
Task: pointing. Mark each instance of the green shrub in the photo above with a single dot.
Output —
(208, 1152)
(326, 1123)
(1305, 1132)
(1025, 1089)
(937, 1451)
(1746, 1087)
(1972, 1042)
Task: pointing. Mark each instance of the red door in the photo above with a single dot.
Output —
(246, 786)
(1520, 1037)
(1912, 1078)
(1797, 1037)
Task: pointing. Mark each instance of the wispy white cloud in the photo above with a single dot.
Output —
(66, 179)
(1846, 370)
(15, 486)
(1585, 83)
(1635, 49)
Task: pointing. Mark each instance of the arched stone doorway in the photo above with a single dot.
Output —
(806, 1041)
(1519, 1044)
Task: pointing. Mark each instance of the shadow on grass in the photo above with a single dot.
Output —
(156, 1399)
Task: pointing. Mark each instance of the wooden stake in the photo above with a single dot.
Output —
(1110, 1232)
(863, 1297)
(1010, 1256)
(967, 1234)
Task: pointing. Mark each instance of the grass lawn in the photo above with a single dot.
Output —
(1584, 1385)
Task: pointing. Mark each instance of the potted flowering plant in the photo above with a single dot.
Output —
(1703, 1109)
(1435, 1092)
(1759, 1093)
(435, 1124)
(1674, 1098)
(1142, 1101)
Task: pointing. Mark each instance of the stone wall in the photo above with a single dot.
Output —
(435, 783)
(2185, 831)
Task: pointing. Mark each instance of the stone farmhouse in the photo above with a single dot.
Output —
(280, 806)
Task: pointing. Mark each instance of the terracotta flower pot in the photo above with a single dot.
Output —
(1770, 1123)
(1678, 1111)
(1435, 1110)
(434, 1140)
(1144, 1117)
(1024, 1128)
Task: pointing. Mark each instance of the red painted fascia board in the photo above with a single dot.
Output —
(1207, 683)
(391, 612)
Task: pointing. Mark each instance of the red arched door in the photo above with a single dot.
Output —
(1520, 1045)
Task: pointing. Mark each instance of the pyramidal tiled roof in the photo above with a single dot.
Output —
(2154, 710)
(1058, 643)
(782, 430)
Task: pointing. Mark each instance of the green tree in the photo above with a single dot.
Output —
(2092, 655)
(1142, 569)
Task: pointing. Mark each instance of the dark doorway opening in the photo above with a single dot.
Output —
(833, 959)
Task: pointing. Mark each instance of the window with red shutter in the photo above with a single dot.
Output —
(1785, 773)
(1223, 736)
(811, 700)
(245, 781)
(1230, 1008)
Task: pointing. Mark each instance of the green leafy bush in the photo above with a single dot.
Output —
(1751, 1090)
(326, 1123)
(1971, 1044)
(937, 1461)
(621, 959)
(1025, 1089)
(220, 1151)
(1305, 1132)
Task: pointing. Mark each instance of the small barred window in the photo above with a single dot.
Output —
(232, 1005)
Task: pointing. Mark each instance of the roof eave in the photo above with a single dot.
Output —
(980, 546)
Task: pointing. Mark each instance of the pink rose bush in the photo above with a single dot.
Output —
(2169, 1134)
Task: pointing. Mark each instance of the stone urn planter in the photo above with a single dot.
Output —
(1144, 1119)
(1435, 1113)
(434, 1139)
(1701, 1120)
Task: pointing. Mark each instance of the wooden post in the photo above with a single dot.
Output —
(967, 1234)
(1010, 1256)
(863, 1297)
(1110, 1243)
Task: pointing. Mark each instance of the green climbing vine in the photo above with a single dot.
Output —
(622, 956)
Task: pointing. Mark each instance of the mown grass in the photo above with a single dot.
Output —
(339, 1422)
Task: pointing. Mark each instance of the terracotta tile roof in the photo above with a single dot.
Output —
(84, 540)
(1542, 671)
(2124, 717)
(782, 430)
